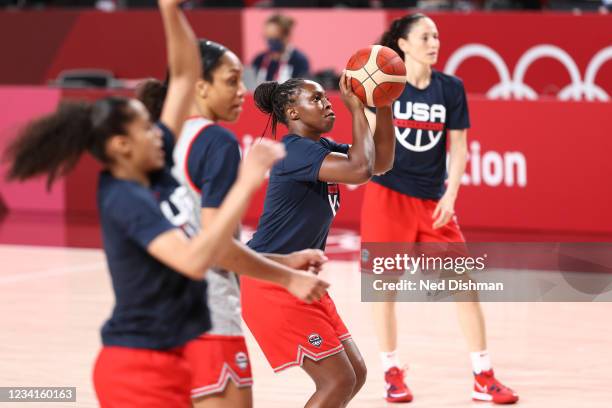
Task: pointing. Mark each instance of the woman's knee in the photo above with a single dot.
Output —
(342, 383)
(361, 373)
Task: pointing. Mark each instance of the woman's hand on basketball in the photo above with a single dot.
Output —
(260, 159)
(350, 100)
(306, 286)
(310, 260)
(445, 210)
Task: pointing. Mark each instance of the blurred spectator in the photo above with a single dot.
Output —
(281, 61)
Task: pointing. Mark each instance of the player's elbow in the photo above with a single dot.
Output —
(195, 267)
(362, 174)
(462, 151)
(459, 156)
(196, 273)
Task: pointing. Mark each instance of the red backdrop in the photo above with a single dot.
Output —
(540, 165)
(129, 43)
(562, 45)
(552, 50)
(534, 166)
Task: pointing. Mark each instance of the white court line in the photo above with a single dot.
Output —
(49, 273)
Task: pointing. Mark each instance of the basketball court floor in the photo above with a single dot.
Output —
(54, 301)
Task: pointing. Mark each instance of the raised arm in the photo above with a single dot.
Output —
(384, 140)
(184, 65)
(356, 167)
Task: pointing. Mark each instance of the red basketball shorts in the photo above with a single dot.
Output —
(390, 216)
(215, 360)
(289, 330)
(127, 377)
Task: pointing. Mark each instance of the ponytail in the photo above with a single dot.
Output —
(53, 144)
(400, 27)
(264, 95)
(273, 98)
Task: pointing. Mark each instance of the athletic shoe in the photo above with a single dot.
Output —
(487, 388)
(397, 390)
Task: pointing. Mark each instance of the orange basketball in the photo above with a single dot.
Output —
(378, 75)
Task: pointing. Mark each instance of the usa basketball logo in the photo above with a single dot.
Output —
(179, 210)
(315, 340)
(418, 126)
(242, 361)
(333, 195)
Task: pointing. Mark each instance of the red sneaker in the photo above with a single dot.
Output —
(487, 388)
(397, 390)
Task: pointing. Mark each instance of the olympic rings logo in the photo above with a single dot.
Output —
(514, 87)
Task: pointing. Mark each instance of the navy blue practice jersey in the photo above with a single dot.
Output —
(298, 209)
(421, 118)
(155, 306)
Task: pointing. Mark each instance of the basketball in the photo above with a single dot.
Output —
(378, 75)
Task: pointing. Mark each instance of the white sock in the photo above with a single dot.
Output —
(389, 359)
(480, 361)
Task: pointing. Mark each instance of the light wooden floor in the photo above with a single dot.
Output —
(53, 302)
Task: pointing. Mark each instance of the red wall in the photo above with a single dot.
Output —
(129, 43)
(569, 50)
(18, 105)
(534, 166)
(565, 48)
(539, 165)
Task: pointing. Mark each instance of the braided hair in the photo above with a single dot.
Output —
(273, 98)
(400, 27)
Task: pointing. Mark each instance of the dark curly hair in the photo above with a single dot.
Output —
(53, 144)
(152, 93)
(273, 98)
(400, 27)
